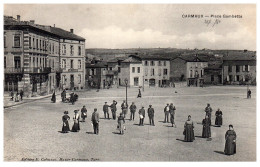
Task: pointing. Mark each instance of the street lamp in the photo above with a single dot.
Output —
(126, 83)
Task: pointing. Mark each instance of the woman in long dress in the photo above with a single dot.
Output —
(75, 127)
(230, 137)
(53, 98)
(189, 130)
(206, 132)
(65, 120)
(218, 121)
(121, 122)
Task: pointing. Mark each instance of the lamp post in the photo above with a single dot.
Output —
(126, 83)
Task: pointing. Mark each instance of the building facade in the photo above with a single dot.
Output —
(31, 57)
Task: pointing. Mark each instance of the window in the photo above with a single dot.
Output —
(64, 49)
(56, 49)
(152, 72)
(138, 69)
(37, 45)
(92, 71)
(5, 62)
(52, 63)
(164, 63)
(5, 40)
(152, 63)
(212, 78)
(201, 73)
(79, 50)
(165, 71)
(196, 74)
(63, 63)
(230, 78)
(71, 50)
(79, 78)
(247, 68)
(119, 69)
(136, 81)
(52, 48)
(110, 68)
(146, 71)
(30, 42)
(237, 78)
(159, 63)
(133, 69)
(79, 64)
(64, 79)
(33, 43)
(190, 73)
(237, 68)
(40, 44)
(146, 63)
(17, 41)
(17, 62)
(71, 64)
(159, 72)
(229, 68)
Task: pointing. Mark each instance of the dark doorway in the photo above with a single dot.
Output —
(72, 81)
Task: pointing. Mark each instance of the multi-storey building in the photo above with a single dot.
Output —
(32, 56)
(156, 70)
(239, 68)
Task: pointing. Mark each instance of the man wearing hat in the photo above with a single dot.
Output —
(166, 113)
(105, 110)
(124, 107)
(142, 116)
(172, 113)
(150, 112)
(132, 110)
(113, 109)
(84, 113)
(95, 121)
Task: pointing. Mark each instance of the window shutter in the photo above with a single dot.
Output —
(244, 67)
(248, 68)
(244, 78)
(227, 77)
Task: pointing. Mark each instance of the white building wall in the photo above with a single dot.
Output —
(136, 74)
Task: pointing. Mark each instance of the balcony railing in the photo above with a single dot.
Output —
(13, 70)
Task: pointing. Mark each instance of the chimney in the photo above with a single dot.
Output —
(18, 18)
(32, 21)
(71, 30)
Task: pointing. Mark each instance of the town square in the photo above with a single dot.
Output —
(129, 82)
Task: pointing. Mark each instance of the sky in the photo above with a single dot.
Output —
(119, 26)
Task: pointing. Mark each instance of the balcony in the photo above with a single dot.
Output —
(30, 70)
(73, 70)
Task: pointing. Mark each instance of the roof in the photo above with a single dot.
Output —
(10, 21)
(97, 65)
(214, 66)
(240, 55)
(197, 57)
(115, 60)
(154, 57)
(132, 59)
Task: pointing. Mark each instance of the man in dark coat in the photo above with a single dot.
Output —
(63, 95)
(113, 109)
(208, 111)
(105, 110)
(21, 95)
(95, 121)
(166, 113)
(139, 94)
(150, 112)
(53, 98)
(72, 98)
(124, 107)
(142, 116)
(84, 113)
(132, 110)
(249, 94)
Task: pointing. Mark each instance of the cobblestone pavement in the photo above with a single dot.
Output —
(32, 130)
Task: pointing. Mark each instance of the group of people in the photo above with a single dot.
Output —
(230, 136)
(17, 97)
(73, 97)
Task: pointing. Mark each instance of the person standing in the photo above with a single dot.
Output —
(208, 111)
(21, 95)
(124, 107)
(230, 145)
(12, 96)
(139, 94)
(172, 114)
(249, 94)
(132, 110)
(105, 110)
(63, 95)
(75, 127)
(53, 98)
(189, 130)
(218, 120)
(166, 113)
(121, 122)
(65, 120)
(95, 121)
(150, 112)
(206, 132)
(113, 109)
(142, 116)
(72, 98)
(84, 113)
(16, 97)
